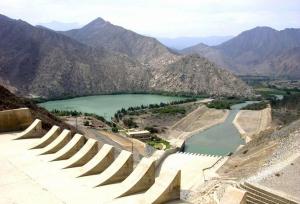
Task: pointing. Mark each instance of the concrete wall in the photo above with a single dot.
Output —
(15, 119)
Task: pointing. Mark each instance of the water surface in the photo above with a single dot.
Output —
(219, 139)
(107, 105)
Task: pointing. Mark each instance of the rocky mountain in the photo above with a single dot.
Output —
(100, 33)
(254, 51)
(44, 63)
(39, 62)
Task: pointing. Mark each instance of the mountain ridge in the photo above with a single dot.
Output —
(252, 51)
(38, 62)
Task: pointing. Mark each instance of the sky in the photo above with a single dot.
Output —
(162, 18)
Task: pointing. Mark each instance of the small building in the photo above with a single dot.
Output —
(142, 134)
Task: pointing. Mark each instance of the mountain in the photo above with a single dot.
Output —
(101, 33)
(43, 63)
(253, 51)
(184, 42)
(39, 62)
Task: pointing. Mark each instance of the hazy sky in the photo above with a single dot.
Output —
(162, 18)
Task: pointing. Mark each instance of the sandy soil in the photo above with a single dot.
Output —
(196, 121)
(250, 123)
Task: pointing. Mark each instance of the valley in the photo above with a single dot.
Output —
(156, 102)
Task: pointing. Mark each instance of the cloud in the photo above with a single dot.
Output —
(169, 18)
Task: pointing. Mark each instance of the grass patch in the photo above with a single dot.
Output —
(158, 143)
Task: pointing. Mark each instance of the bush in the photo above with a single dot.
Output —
(256, 106)
(223, 103)
(114, 129)
(128, 122)
(66, 112)
(86, 123)
(151, 129)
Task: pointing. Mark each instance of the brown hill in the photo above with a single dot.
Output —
(261, 50)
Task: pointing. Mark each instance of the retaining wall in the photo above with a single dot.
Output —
(15, 119)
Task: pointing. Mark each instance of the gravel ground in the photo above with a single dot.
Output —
(282, 171)
(286, 180)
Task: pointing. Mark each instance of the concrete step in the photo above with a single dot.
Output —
(269, 195)
(250, 199)
(260, 195)
(260, 198)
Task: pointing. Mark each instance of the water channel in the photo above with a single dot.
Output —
(220, 139)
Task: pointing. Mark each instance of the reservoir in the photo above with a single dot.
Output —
(107, 105)
(219, 139)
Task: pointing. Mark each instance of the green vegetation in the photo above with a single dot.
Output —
(114, 129)
(66, 113)
(224, 103)
(286, 110)
(158, 143)
(86, 123)
(128, 122)
(169, 110)
(267, 92)
(138, 109)
(256, 106)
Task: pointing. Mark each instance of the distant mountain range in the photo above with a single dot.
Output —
(60, 26)
(185, 42)
(102, 58)
(259, 51)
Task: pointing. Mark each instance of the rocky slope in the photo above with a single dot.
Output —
(44, 63)
(39, 62)
(198, 75)
(101, 33)
(261, 50)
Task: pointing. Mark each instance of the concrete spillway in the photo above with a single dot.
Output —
(26, 171)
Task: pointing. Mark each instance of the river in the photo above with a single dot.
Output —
(219, 139)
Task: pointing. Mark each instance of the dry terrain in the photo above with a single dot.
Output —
(251, 122)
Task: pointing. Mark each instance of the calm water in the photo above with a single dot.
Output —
(107, 105)
(219, 139)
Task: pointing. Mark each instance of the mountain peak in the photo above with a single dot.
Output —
(97, 23)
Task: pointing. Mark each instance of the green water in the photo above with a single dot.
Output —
(219, 139)
(107, 105)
